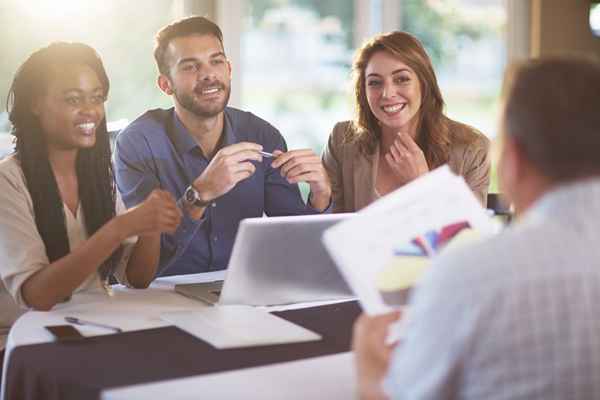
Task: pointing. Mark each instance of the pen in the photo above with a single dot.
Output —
(265, 154)
(78, 321)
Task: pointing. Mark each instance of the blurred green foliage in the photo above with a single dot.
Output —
(343, 9)
(440, 29)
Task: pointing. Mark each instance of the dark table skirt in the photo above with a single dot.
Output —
(82, 369)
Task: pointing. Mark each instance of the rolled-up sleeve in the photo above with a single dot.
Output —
(133, 169)
(22, 250)
(137, 177)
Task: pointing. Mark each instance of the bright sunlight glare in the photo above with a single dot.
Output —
(64, 10)
(595, 19)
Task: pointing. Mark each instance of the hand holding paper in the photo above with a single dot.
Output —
(384, 250)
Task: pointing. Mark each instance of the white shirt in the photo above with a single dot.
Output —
(22, 250)
(515, 317)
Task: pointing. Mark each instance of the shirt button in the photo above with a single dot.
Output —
(215, 238)
(214, 204)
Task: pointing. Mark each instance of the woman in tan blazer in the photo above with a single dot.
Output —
(400, 131)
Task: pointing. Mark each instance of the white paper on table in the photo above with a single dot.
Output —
(361, 246)
(236, 326)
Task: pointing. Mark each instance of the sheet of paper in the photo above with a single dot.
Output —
(227, 327)
(388, 245)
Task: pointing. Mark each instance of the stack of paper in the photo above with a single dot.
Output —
(227, 327)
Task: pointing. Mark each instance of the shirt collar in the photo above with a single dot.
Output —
(229, 130)
(566, 199)
(184, 142)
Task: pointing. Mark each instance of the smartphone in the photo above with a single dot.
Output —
(64, 332)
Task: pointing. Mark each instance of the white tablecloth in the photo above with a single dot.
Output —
(135, 309)
(326, 377)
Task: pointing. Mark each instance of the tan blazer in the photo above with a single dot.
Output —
(353, 174)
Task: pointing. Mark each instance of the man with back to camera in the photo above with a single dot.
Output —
(210, 156)
(516, 316)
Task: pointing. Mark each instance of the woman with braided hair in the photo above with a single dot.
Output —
(63, 228)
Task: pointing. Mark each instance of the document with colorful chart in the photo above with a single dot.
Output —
(384, 250)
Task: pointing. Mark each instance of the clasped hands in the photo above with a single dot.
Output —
(233, 163)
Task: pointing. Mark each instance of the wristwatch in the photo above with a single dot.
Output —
(192, 197)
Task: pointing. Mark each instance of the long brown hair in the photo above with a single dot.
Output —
(432, 128)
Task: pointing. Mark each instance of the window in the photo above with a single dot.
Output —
(291, 58)
(465, 40)
(595, 17)
(296, 57)
(296, 63)
(121, 31)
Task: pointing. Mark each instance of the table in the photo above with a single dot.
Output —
(109, 366)
(331, 377)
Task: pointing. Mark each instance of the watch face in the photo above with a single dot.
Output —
(190, 196)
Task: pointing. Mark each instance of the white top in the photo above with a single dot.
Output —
(22, 250)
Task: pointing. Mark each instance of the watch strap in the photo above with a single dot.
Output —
(197, 201)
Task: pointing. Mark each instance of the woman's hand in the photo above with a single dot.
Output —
(157, 214)
(406, 159)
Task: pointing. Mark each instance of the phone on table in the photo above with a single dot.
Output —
(64, 332)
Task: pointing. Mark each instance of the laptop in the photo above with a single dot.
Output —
(277, 260)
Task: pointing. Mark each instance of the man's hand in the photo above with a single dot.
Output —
(406, 159)
(157, 214)
(305, 166)
(229, 166)
(371, 352)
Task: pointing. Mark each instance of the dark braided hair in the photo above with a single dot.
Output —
(93, 165)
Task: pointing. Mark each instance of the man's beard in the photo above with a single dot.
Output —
(190, 103)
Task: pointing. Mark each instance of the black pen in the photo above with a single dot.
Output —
(78, 321)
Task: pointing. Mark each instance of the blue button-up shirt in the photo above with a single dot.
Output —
(156, 151)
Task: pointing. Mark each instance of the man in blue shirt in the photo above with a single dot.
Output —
(210, 156)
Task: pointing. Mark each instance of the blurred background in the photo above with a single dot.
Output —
(291, 58)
